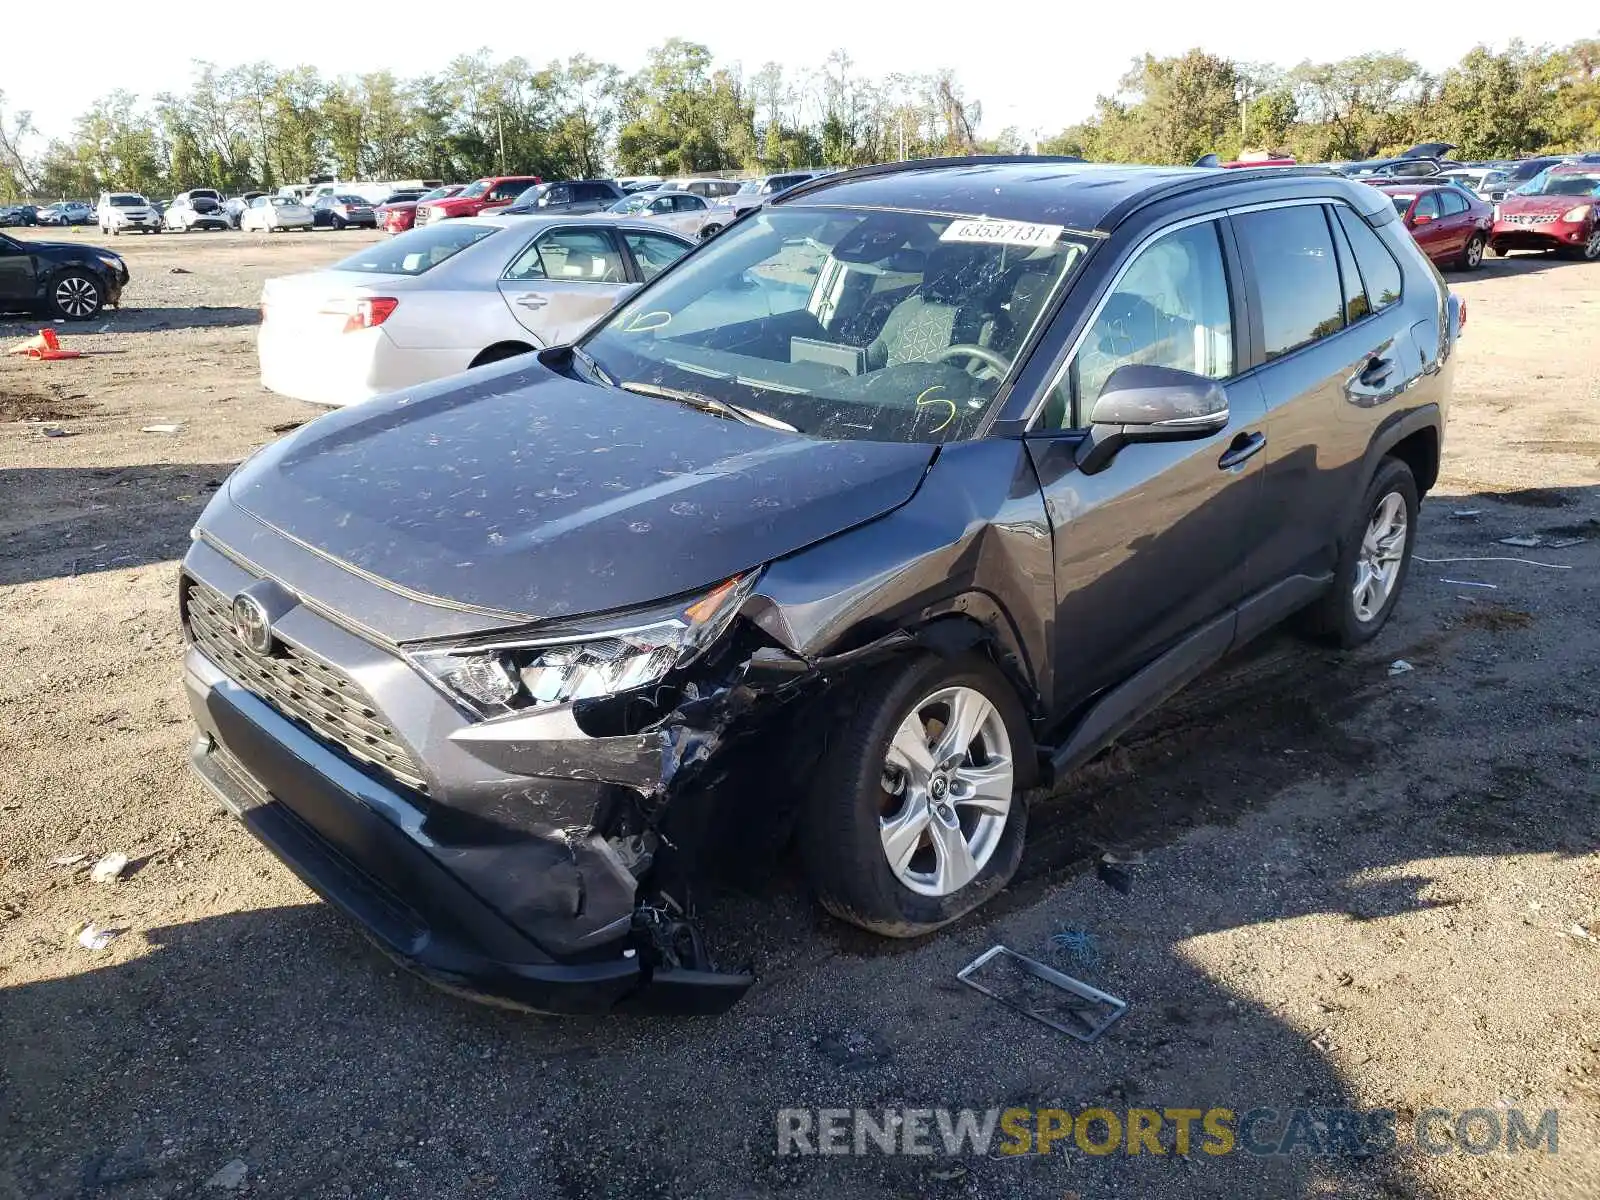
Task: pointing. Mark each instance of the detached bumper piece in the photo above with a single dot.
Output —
(359, 845)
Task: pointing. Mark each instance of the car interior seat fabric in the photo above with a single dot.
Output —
(944, 310)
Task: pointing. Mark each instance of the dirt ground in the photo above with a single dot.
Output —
(1360, 889)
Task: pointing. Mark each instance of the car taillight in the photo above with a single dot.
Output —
(367, 313)
(1575, 215)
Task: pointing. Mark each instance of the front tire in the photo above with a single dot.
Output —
(916, 816)
(76, 295)
(1374, 560)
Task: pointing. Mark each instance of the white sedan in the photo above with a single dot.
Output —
(682, 211)
(271, 213)
(449, 296)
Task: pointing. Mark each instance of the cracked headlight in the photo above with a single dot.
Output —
(586, 659)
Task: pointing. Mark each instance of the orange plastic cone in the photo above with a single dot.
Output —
(44, 345)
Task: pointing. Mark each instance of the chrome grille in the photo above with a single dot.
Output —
(1528, 218)
(305, 689)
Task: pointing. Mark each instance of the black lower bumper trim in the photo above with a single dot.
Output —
(273, 777)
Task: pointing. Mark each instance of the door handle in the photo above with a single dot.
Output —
(532, 300)
(1243, 448)
(1376, 373)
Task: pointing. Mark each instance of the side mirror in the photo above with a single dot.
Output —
(1150, 404)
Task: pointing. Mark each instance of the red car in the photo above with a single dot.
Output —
(483, 195)
(397, 216)
(1450, 224)
(1552, 211)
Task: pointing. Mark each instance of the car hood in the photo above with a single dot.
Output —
(1543, 204)
(522, 493)
(71, 248)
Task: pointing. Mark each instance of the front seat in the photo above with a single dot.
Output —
(943, 311)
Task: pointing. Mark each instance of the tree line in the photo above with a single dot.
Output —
(256, 125)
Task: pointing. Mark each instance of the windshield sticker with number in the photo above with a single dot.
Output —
(1001, 233)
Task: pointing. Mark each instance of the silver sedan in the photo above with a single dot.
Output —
(682, 211)
(450, 296)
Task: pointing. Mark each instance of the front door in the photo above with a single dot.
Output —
(1432, 233)
(1152, 546)
(16, 274)
(564, 280)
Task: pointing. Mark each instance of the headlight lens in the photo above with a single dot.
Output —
(1574, 215)
(602, 656)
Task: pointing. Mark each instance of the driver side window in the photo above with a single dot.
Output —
(1169, 308)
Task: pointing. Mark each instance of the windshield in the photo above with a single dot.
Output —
(872, 325)
(1523, 170)
(417, 251)
(128, 200)
(438, 193)
(633, 204)
(1562, 185)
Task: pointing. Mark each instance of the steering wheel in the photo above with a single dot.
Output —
(995, 362)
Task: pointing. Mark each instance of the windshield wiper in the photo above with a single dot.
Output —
(709, 404)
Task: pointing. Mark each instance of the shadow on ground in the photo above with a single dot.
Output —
(62, 521)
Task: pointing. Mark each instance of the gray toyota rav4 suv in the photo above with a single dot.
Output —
(913, 488)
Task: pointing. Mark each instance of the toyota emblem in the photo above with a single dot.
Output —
(250, 624)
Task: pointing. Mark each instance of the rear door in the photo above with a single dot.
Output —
(1152, 547)
(17, 280)
(1455, 221)
(1333, 346)
(564, 279)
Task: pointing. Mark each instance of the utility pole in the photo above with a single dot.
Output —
(500, 122)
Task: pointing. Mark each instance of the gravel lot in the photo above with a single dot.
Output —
(1360, 889)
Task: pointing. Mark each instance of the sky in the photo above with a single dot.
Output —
(1033, 66)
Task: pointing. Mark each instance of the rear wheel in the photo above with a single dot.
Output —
(707, 231)
(1373, 563)
(338, 223)
(1472, 256)
(500, 352)
(76, 295)
(915, 816)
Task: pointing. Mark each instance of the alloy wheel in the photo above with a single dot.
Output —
(1383, 548)
(76, 296)
(1591, 248)
(1474, 253)
(948, 777)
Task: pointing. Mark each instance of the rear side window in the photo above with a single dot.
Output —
(417, 251)
(1289, 252)
(571, 255)
(1453, 204)
(1380, 273)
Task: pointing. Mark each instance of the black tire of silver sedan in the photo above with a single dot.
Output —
(916, 816)
(76, 295)
(1373, 563)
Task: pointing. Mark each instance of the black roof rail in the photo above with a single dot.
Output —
(1124, 209)
(873, 170)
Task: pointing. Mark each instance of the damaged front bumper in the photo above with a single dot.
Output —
(365, 848)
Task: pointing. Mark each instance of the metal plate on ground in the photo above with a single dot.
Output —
(1043, 993)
